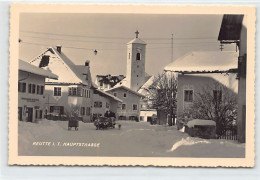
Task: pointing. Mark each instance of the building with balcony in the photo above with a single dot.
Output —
(73, 90)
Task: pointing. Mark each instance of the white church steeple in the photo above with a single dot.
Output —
(135, 73)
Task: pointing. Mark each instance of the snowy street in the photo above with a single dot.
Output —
(140, 139)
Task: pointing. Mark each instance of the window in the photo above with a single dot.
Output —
(217, 94)
(137, 66)
(57, 91)
(88, 93)
(21, 87)
(124, 95)
(134, 107)
(188, 95)
(123, 106)
(107, 105)
(87, 111)
(98, 104)
(82, 111)
(136, 75)
(115, 94)
(138, 56)
(79, 92)
(128, 55)
(32, 88)
(72, 91)
(76, 91)
(39, 89)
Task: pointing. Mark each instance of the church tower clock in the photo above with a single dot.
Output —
(135, 73)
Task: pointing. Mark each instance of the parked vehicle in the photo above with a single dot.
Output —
(153, 119)
(73, 123)
(104, 122)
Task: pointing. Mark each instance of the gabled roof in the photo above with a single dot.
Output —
(27, 67)
(68, 72)
(137, 41)
(205, 61)
(108, 95)
(126, 88)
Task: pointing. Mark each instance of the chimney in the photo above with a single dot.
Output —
(87, 63)
(59, 48)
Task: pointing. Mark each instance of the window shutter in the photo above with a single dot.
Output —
(61, 109)
(51, 109)
(24, 87)
(19, 87)
(42, 89)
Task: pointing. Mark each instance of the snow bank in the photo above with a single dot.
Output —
(200, 122)
(197, 147)
(189, 141)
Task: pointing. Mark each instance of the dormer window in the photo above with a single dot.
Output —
(45, 61)
(138, 56)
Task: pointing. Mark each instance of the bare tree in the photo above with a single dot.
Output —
(162, 94)
(73, 112)
(218, 103)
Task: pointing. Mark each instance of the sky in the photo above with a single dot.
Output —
(81, 34)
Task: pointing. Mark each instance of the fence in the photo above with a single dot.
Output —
(230, 134)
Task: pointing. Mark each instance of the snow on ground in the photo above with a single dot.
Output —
(140, 139)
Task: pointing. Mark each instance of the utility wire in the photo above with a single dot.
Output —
(110, 42)
(82, 48)
(105, 37)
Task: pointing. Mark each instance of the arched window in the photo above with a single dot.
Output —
(138, 56)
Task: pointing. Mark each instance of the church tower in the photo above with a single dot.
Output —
(135, 72)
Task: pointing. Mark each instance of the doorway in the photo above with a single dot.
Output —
(29, 114)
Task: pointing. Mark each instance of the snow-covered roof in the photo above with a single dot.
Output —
(146, 85)
(109, 95)
(136, 41)
(126, 88)
(204, 61)
(68, 72)
(152, 80)
(200, 122)
(27, 67)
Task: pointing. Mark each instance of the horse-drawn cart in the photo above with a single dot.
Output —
(73, 123)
